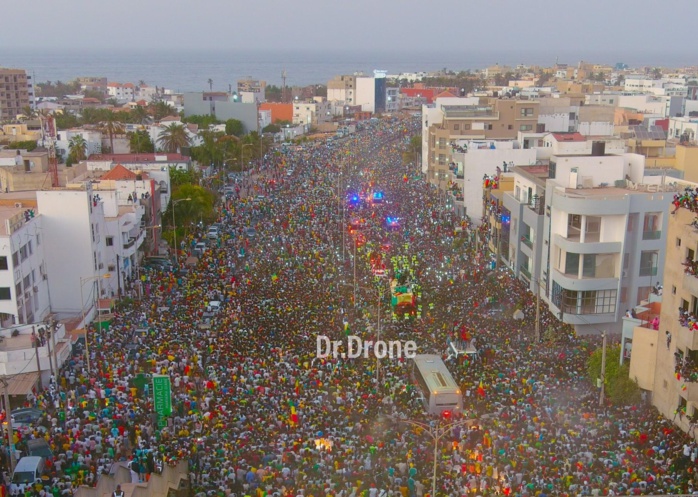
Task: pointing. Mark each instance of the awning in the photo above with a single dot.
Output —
(22, 384)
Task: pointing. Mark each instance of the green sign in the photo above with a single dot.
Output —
(162, 395)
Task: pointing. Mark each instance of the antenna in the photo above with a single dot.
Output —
(283, 86)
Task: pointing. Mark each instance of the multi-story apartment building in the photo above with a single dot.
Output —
(16, 93)
(125, 92)
(311, 113)
(74, 225)
(94, 83)
(602, 238)
(24, 296)
(342, 89)
(251, 91)
(392, 99)
(664, 358)
(491, 119)
(93, 141)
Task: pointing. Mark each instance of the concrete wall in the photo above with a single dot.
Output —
(194, 104)
(159, 485)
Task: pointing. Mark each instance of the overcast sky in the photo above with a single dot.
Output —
(384, 25)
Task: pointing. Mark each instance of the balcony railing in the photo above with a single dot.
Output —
(524, 270)
(129, 243)
(527, 241)
(651, 235)
(537, 204)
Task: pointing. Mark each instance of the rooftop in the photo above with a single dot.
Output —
(119, 172)
(569, 137)
(139, 158)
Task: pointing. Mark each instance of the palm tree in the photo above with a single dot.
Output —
(173, 138)
(112, 127)
(210, 84)
(77, 148)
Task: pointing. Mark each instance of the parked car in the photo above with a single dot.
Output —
(40, 447)
(28, 416)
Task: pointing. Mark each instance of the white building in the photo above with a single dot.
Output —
(366, 93)
(680, 126)
(311, 113)
(24, 295)
(147, 93)
(74, 226)
(471, 160)
(641, 84)
(590, 231)
(93, 141)
(157, 167)
(121, 92)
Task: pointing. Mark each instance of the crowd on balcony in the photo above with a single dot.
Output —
(690, 267)
(686, 368)
(460, 149)
(687, 319)
(490, 181)
(688, 200)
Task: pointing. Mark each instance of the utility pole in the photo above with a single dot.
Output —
(537, 310)
(603, 369)
(8, 418)
(35, 338)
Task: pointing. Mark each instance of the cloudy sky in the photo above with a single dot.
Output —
(442, 25)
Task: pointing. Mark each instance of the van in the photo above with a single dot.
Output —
(28, 471)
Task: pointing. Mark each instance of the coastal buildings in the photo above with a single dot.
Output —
(16, 93)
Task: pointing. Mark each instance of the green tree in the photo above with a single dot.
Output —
(138, 115)
(200, 207)
(173, 138)
(27, 145)
(140, 142)
(204, 121)
(179, 177)
(160, 110)
(272, 128)
(66, 120)
(619, 387)
(77, 148)
(111, 126)
(234, 127)
(413, 151)
(210, 151)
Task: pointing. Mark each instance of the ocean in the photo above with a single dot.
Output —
(190, 70)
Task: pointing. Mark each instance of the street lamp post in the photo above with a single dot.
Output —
(242, 161)
(82, 308)
(174, 225)
(436, 433)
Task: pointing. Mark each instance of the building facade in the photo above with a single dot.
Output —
(16, 93)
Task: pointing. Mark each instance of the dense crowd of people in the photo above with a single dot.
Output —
(255, 412)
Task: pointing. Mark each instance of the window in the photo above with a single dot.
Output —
(5, 293)
(456, 127)
(526, 111)
(23, 253)
(678, 241)
(488, 127)
(651, 229)
(690, 255)
(3, 263)
(29, 247)
(526, 127)
(110, 241)
(648, 263)
(510, 126)
(589, 302)
(593, 229)
(673, 290)
(38, 240)
(466, 127)
(572, 263)
(552, 169)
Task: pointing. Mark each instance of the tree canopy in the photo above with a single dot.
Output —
(619, 387)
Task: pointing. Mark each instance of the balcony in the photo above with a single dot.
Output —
(129, 244)
(651, 235)
(526, 240)
(537, 204)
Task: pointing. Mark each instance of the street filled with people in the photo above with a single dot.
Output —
(307, 246)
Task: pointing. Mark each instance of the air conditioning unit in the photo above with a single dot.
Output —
(18, 205)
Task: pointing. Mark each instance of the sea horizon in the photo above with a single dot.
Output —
(190, 69)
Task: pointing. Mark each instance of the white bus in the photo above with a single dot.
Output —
(439, 391)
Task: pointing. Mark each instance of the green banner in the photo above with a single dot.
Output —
(162, 395)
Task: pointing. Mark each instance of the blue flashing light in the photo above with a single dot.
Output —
(378, 196)
(354, 199)
(506, 219)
